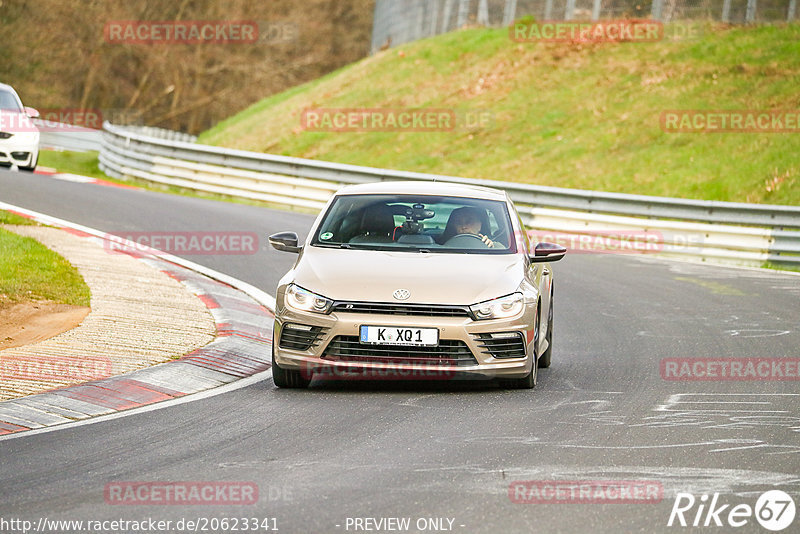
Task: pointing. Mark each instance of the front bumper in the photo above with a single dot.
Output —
(21, 150)
(328, 345)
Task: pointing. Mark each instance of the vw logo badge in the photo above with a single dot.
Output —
(401, 294)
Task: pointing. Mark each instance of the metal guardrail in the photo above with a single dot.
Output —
(162, 133)
(82, 139)
(748, 234)
(68, 137)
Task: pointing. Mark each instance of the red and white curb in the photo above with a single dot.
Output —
(68, 177)
(241, 349)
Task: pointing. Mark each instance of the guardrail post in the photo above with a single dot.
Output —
(658, 8)
(792, 9)
(510, 12)
(750, 14)
(569, 12)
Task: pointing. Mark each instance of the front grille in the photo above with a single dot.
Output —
(300, 337)
(389, 308)
(449, 352)
(511, 346)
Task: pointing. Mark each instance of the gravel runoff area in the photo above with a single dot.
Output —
(140, 317)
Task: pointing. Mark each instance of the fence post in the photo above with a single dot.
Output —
(463, 12)
(483, 12)
(658, 7)
(792, 9)
(570, 11)
(596, 10)
(448, 11)
(750, 15)
(379, 29)
(403, 29)
(548, 10)
(726, 11)
(419, 26)
(437, 4)
(510, 12)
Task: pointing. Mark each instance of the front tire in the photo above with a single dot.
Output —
(528, 381)
(287, 378)
(32, 167)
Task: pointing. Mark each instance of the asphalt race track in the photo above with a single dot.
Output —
(451, 451)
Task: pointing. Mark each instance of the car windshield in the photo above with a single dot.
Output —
(9, 102)
(417, 223)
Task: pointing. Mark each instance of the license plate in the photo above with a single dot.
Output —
(393, 335)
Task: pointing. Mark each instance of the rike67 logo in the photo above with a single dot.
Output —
(774, 510)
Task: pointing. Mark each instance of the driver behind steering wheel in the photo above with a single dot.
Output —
(467, 220)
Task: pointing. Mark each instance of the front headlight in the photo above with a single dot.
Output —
(302, 299)
(500, 308)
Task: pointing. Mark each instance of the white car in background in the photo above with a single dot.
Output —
(19, 137)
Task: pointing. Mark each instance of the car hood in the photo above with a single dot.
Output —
(431, 278)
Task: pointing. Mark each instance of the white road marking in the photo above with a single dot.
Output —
(67, 177)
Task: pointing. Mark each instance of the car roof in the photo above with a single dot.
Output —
(7, 87)
(424, 188)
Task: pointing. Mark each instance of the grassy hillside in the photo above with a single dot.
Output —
(570, 115)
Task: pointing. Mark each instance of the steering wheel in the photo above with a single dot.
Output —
(449, 242)
(499, 236)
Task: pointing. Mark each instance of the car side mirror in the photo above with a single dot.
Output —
(32, 113)
(285, 242)
(547, 252)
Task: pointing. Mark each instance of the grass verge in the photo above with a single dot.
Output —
(81, 163)
(31, 271)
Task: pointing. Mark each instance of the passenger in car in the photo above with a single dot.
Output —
(377, 225)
